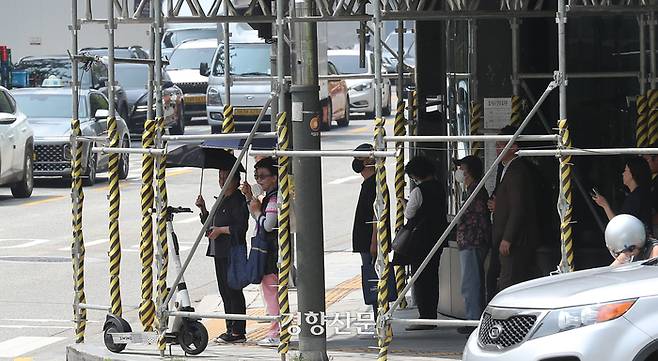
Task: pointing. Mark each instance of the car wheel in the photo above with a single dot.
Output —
(179, 127)
(24, 187)
(346, 118)
(90, 178)
(326, 124)
(124, 161)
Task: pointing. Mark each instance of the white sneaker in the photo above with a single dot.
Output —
(269, 342)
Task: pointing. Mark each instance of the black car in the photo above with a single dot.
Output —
(134, 78)
(92, 76)
(136, 52)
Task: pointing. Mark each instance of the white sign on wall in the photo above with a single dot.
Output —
(497, 112)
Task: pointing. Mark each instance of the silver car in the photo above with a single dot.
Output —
(48, 111)
(602, 314)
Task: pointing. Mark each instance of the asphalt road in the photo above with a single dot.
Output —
(35, 244)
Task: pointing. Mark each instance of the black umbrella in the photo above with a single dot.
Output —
(200, 156)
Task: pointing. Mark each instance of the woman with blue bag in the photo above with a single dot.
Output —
(264, 253)
(226, 236)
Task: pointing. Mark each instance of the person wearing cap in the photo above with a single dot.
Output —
(364, 236)
(229, 226)
(515, 224)
(473, 234)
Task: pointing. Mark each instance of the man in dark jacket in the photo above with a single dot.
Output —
(515, 218)
(229, 226)
(364, 237)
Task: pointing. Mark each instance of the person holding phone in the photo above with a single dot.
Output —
(637, 178)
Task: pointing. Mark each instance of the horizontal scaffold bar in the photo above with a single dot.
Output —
(585, 152)
(223, 316)
(217, 136)
(322, 153)
(470, 138)
(321, 77)
(595, 75)
(110, 150)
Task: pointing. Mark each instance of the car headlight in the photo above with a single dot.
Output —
(213, 97)
(566, 319)
(362, 86)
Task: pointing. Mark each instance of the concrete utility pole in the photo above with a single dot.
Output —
(308, 184)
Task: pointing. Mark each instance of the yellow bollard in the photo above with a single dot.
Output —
(515, 118)
(147, 307)
(115, 240)
(566, 233)
(78, 245)
(477, 147)
(384, 244)
(399, 130)
(285, 248)
(652, 114)
(162, 238)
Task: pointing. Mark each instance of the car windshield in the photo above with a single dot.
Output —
(347, 64)
(49, 105)
(176, 37)
(134, 76)
(40, 69)
(409, 45)
(190, 58)
(245, 60)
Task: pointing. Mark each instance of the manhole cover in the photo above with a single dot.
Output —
(44, 259)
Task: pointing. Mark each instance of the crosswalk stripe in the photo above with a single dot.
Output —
(18, 346)
(87, 244)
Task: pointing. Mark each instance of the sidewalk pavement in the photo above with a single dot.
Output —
(347, 324)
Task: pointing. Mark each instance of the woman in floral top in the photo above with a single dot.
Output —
(473, 236)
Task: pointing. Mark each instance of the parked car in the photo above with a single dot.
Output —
(95, 77)
(48, 111)
(176, 35)
(601, 314)
(135, 51)
(134, 78)
(16, 148)
(183, 70)
(338, 101)
(390, 60)
(361, 91)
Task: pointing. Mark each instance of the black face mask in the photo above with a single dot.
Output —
(358, 166)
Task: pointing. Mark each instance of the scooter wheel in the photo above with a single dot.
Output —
(114, 325)
(193, 337)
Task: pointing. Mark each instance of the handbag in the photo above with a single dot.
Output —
(403, 238)
(369, 285)
(257, 256)
(237, 274)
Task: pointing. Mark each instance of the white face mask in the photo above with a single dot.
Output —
(459, 175)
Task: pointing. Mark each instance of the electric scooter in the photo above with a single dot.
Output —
(188, 332)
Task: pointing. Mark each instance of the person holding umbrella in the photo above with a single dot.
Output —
(229, 226)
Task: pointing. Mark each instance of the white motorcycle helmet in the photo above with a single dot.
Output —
(624, 233)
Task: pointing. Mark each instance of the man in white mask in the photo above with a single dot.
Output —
(473, 237)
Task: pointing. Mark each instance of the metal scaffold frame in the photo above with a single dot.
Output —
(154, 140)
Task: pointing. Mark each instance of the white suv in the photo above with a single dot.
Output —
(16, 148)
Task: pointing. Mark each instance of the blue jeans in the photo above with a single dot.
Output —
(472, 270)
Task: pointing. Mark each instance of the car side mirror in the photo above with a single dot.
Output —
(204, 69)
(167, 84)
(101, 114)
(7, 118)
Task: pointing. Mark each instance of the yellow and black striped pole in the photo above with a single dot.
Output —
(641, 126)
(162, 239)
(413, 110)
(115, 239)
(566, 207)
(384, 245)
(399, 130)
(515, 118)
(477, 147)
(652, 100)
(78, 245)
(284, 235)
(147, 307)
(228, 125)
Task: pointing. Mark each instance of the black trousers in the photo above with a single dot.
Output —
(492, 273)
(426, 288)
(234, 302)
